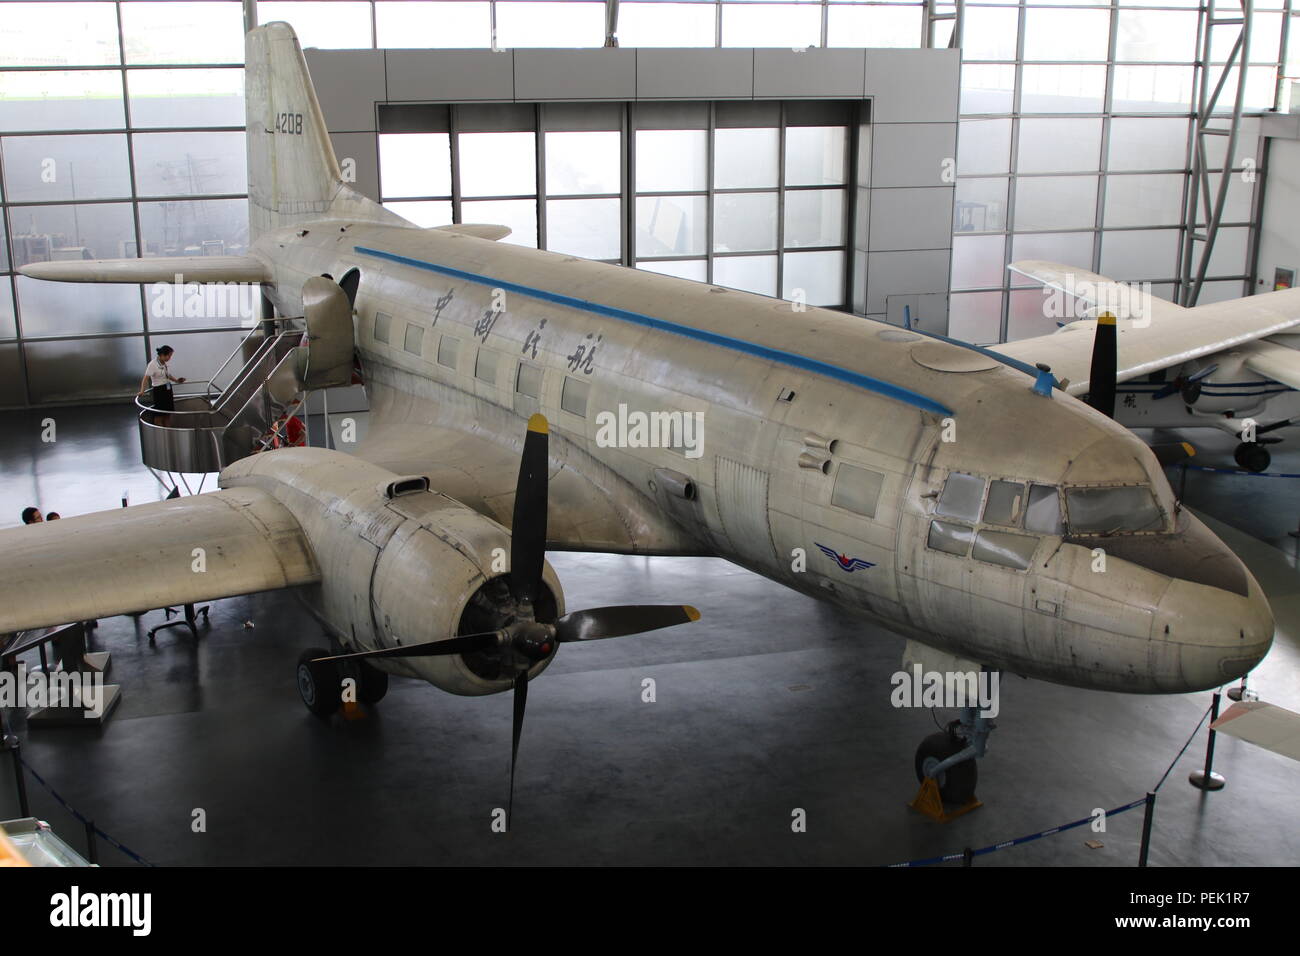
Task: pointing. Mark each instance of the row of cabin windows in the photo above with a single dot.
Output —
(528, 378)
(573, 393)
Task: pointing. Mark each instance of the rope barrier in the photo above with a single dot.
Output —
(993, 847)
(1240, 473)
(86, 822)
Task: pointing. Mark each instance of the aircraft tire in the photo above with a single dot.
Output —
(320, 685)
(372, 683)
(1252, 457)
(957, 783)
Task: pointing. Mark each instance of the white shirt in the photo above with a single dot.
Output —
(157, 372)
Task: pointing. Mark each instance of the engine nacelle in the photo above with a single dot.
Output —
(400, 564)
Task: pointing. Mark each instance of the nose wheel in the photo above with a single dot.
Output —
(956, 782)
(945, 766)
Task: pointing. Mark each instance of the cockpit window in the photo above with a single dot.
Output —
(1043, 512)
(949, 537)
(1008, 550)
(1110, 510)
(1006, 503)
(962, 497)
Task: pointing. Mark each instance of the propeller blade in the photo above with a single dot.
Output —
(1165, 390)
(1173, 453)
(483, 641)
(528, 526)
(520, 702)
(1101, 375)
(1208, 370)
(598, 623)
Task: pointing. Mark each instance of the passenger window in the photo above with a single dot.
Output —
(1001, 547)
(529, 380)
(950, 538)
(1006, 503)
(414, 339)
(573, 396)
(447, 349)
(962, 496)
(485, 366)
(1043, 513)
(382, 322)
(857, 489)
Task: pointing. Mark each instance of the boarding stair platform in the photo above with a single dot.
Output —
(250, 403)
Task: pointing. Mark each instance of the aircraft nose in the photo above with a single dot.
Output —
(1220, 634)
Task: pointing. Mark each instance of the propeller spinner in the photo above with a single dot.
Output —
(524, 641)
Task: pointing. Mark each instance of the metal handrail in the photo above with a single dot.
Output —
(238, 350)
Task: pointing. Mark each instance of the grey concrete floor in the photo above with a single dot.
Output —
(772, 703)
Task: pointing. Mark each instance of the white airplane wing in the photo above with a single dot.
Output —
(144, 557)
(1163, 335)
(158, 269)
(1265, 725)
(1281, 363)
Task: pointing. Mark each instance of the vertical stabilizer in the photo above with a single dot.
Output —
(293, 174)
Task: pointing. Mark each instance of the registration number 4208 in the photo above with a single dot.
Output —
(290, 123)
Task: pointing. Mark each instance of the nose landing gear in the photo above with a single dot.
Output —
(946, 768)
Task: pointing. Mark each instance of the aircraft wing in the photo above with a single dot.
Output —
(1264, 725)
(143, 557)
(1281, 363)
(157, 269)
(591, 508)
(1163, 335)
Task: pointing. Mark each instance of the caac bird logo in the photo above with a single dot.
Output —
(844, 561)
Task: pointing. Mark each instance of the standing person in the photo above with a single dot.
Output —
(157, 377)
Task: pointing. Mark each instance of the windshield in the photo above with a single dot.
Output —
(1110, 510)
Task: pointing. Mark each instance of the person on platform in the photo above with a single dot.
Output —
(158, 378)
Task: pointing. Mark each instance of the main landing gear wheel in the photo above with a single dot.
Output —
(1252, 456)
(372, 683)
(320, 684)
(957, 783)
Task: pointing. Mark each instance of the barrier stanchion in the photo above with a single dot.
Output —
(1147, 817)
(1207, 779)
(92, 851)
(11, 744)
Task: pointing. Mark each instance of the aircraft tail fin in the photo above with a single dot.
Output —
(293, 174)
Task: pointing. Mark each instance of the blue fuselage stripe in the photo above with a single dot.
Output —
(790, 359)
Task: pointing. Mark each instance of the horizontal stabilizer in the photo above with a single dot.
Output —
(1264, 725)
(477, 230)
(198, 269)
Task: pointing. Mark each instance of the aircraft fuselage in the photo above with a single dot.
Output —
(823, 457)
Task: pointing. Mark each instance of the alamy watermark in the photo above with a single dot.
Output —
(191, 300)
(636, 429)
(21, 689)
(952, 689)
(1077, 298)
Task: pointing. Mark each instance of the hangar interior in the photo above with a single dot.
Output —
(886, 159)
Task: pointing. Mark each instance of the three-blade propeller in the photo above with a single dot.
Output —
(523, 641)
